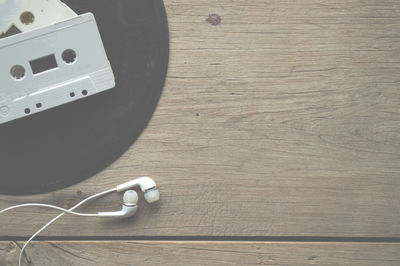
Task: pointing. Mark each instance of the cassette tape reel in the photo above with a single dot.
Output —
(79, 81)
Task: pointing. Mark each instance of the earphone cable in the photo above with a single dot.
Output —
(58, 217)
(48, 206)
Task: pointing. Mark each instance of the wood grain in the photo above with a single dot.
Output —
(201, 253)
(283, 120)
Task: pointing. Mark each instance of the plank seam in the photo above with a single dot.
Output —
(307, 239)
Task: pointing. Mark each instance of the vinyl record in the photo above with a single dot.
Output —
(68, 144)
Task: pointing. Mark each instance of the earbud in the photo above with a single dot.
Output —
(152, 195)
(129, 206)
(130, 199)
(146, 184)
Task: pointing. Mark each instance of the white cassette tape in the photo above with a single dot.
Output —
(52, 65)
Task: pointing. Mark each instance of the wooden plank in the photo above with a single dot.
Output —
(282, 120)
(202, 253)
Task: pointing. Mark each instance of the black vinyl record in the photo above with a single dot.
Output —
(70, 143)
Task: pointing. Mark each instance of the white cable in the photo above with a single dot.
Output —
(58, 217)
(48, 206)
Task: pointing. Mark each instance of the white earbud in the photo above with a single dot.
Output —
(152, 195)
(146, 184)
(129, 206)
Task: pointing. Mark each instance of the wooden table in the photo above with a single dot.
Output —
(276, 142)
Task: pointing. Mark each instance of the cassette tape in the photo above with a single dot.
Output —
(50, 66)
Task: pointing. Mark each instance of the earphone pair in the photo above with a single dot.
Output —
(130, 198)
(129, 206)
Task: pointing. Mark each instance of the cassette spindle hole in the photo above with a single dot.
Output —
(17, 72)
(69, 56)
(27, 18)
(27, 111)
(84, 92)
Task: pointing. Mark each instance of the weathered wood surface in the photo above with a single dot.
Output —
(201, 253)
(283, 120)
